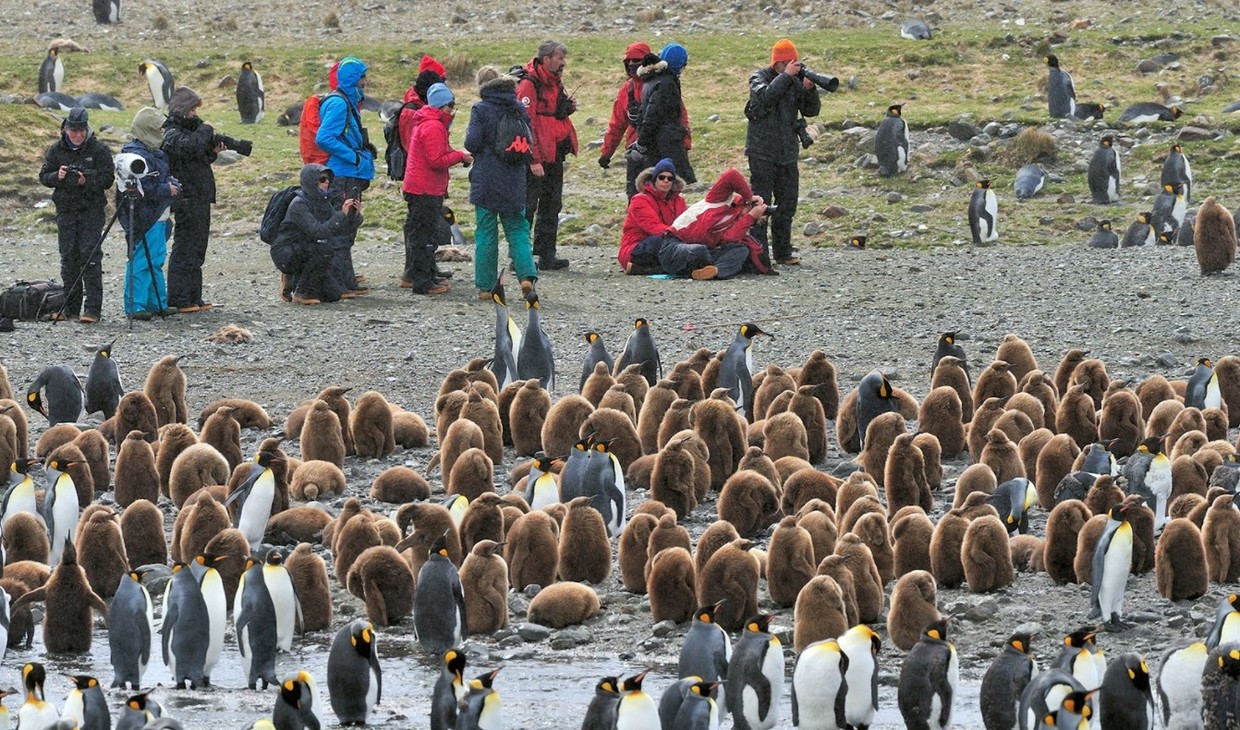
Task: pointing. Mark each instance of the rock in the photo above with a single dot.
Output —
(811, 229)
(1088, 223)
(155, 577)
(894, 197)
(570, 637)
(1167, 360)
(1066, 199)
(1195, 134)
(533, 632)
(992, 128)
(594, 144)
(979, 140)
(866, 162)
(511, 642)
(920, 208)
(1081, 24)
(664, 629)
(834, 211)
(962, 130)
(1148, 66)
(714, 119)
(533, 589)
(594, 229)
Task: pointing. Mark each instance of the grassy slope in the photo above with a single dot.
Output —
(982, 73)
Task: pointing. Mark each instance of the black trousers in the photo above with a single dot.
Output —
(777, 184)
(311, 280)
(77, 234)
(421, 230)
(681, 259)
(190, 233)
(352, 187)
(544, 197)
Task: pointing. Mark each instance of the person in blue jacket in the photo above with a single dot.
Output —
(147, 231)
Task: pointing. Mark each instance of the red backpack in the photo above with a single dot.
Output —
(308, 129)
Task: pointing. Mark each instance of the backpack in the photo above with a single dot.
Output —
(395, 152)
(32, 300)
(274, 214)
(308, 129)
(512, 139)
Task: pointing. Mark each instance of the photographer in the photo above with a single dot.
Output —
(318, 220)
(78, 168)
(711, 240)
(778, 96)
(150, 192)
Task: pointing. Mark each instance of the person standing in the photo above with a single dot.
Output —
(650, 215)
(146, 294)
(191, 148)
(350, 156)
(426, 184)
(541, 91)
(778, 96)
(622, 127)
(78, 168)
(661, 132)
(430, 72)
(497, 188)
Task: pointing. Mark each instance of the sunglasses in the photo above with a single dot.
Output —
(666, 177)
(325, 178)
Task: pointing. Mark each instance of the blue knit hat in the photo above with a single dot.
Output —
(439, 96)
(664, 165)
(675, 55)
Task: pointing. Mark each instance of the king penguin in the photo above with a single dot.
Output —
(65, 397)
(875, 396)
(256, 497)
(298, 705)
(1055, 690)
(159, 80)
(1004, 682)
(860, 646)
(103, 383)
(251, 99)
(507, 338)
(137, 711)
(915, 29)
(603, 482)
(637, 710)
(891, 142)
(131, 624)
(354, 678)
(450, 689)
(1060, 91)
(699, 710)
(640, 348)
(184, 629)
(1125, 699)
(601, 713)
(1112, 564)
(60, 507)
(1082, 658)
(20, 495)
(1140, 232)
(1148, 473)
(211, 585)
(542, 486)
(1030, 179)
(86, 704)
(949, 346)
(1104, 236)
(1179, 683)
(929, 678)
(438, 602)
(35, 711)
(706, 651)
(1150, 111)
(284, 599)
(596, 353)
(254, 618)
(983, 213)
(755, 676)
(1012, 500)
(51, 72)
(482, 708)
(1203, 389)
(106, 11)
(1176, 169)
(736, 370)
(817, 684)
(1169, 209)
(1104, 172)
(536, 360)
(1226, 627)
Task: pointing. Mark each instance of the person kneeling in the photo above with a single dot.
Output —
(316, 219)
(651, 212)
(711, 240)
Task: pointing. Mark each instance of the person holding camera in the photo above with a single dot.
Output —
(711, 239)
(541, 90)
(150, 192)
(779, 95)
(318, 221)
(78, 168)
(191, 146)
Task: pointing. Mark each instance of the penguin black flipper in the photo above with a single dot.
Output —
(171, 611)
(841, 697)
(458, 594)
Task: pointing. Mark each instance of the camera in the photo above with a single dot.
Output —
(802, 130)
(826, 82)
(770, 211)
(240, 146)
(130, 169)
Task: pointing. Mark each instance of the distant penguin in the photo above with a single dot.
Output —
(1214, 237)
(51, 72)
(1103, 236)
(251, 99)
(131, 626)
(640, 348)
(1140, 232)
(298, 704)
(103, 383)
(915, 29)
(256, 497)
(354, 678)
(755, 676)
(507, 338)
(983, 213)
(1176, 169)
(106, 11)
(1029, 181)
(1179, 684)
(859, 647)
(891, 143)
(929, 680)
(1150, 111)
(60, 507)
(536, 359)
(85, 705)
(1203, 390)
(596, 353)
(1148, 474)
(1112, 563)
(1060, 91)
(1004, 682)
(438, 602)
(1104, 173)
(1220, 533)
(159, 80)
(1125, 698)
(736, 369)
(65, 397)
(1168, 211)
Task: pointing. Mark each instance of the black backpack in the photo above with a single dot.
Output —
(395, 153)
(273, 216)
(513, 139)
(32, 300)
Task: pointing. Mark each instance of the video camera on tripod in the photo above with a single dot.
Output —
(130, 170)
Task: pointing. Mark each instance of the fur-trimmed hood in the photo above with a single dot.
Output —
(651, 65)
(503, 84)
(646, 177)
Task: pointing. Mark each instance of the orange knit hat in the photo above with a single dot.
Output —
(783, 50)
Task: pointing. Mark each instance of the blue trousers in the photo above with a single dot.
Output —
(145, 290)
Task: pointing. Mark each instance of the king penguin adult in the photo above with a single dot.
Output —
(640, 348)
(60, 507)
(736, 370)
(875, 397)
(438, 602)
(983, 214)
(256, 497)
(1112, 564)
(507, 338)
(595, 354)
(103, 383)
(65, 397)
(891, 142)
(1004, 682)
(706, 651)
(251, 99)
(254, 618)
(354, 678)
(929, 678)
(756, 677)
(1104, 173)
(130, 628)
(1060, 91)
(536, 360)
(159, 80)
(51, 72)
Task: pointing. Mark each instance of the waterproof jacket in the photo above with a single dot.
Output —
(429, 154)
(624, 108)
(494, 184)
(650, 213)
(659, 117)
(776, 100)
(554, 135)
(314, 218)
(722, 217)
(94, 159)
(188, 144)
(156, 195)
(341, 134)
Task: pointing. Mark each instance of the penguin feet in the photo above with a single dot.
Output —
(1115, 625)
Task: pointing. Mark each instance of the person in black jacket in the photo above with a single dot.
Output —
(778, 95)
(191, 147)
(79, 170)
(317, 222)
(660, 133)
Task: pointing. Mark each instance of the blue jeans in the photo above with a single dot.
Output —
(486, 246)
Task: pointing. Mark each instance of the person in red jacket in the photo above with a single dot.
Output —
(622, 125)
(430, 72)
(651, 212)
(426, 184)
(542, 92)
(711, 239)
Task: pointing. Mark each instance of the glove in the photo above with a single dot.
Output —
(604, 162)
(636, 154)
(374, 153)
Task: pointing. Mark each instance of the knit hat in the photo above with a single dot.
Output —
(77, 119)
(636, 51)
(783, 50)
(664, 165)
(439, 96)
(675, 55)
(430, 64)
(183, 100)
(147, 127)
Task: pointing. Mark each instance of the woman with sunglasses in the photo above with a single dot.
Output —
(318, 220)
(651, 212)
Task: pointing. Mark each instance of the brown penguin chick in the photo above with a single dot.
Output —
(677, 418)
(671, 584)
(836, 567)
(787, 466)
(409, 429)
(563, 425)
(485, 414)
(790, 564)
(1026, 553)
(1077, 416)
(429, 520)
(382, 579)
(749, 501)
(724, 433)
(530, 406)
(142, 530)
(716, 535)
(461, 436)
(198, 466)
(904, 476)
(1214, 237)
(1018, 355)
(1093, 373)
(31, 573)
(1086, 541)
(1030, 447)
(563, 604)
(370, 425)
(484, 581)
(246, 412)
(1189, 419)
(911, 534)
(914, 604)
(68, 600)
(986, 557)
(866, 581)
(102, 549)
(1216, 423)
(857, 485)
(617, 398)
(640, 473)
(813, 417)
(296, 419)
(480, 375)
(932, 457)
(1141, 517)
(820, 612)
(136, 412)
(232, 544)
(1014, 422)
(612, 427)
(399, 485)
(336, 402)
(666, 534)
(941, 415)
(756, 460)
(25, 538)
(1188, 476)
(1103, 494)
(483, 520)
(1041, 386)
(8, 440)
(55, 437)
(98, 460)
(1153, 390)
(1121, 420)
(977, 505)
(472, 474)
(1001, 456)
(1197, 512)
(631, 381)
(673, 480)
(455, 380)
(650, 417)
(1180, 562)
(597, 383)
(309, 574)
(6, 390)
(389, 533)
(805, 485)
(322, 436)
(585, 551)
(165, 387)
(976, 478)
(1054, 463)
(819, 372)
(1158, 423)
(879, 437)
(1189, 443)
(818, 519)
(873, 531)
(447, 411)
(315, 479)
(996, 381)
(785, 435)
(774, 381)
(685, 382)
(945, 547)
(1227, 368)
(633, 552)
(294, 525)
(1066, 367)
(984, 419)
(950, 373)
(202, 518)
(906, 404)
(730, 575)
(136, 475)
(1221, 537)
(1031, 408)
(531, 549)
(224, 433)
(504, 400)
(351, 538)
(173, 439)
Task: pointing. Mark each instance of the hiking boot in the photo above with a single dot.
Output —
(443, 274)
(88, 318)
(406, 284)
(189, 309)
(436, 290)
(299, 299)
(552, 263)
(527, 289)
(789, 261)
(706, 273)
(284, 288)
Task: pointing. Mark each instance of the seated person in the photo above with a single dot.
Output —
(711, 240)
(651, 212)
(318, 220)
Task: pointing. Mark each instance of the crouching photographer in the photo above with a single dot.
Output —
(318, 221)
(144, 192)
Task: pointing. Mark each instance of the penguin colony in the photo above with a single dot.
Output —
(1143, 479)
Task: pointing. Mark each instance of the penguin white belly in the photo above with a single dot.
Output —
(1113, 187)
(637, 711)
(284, 600)
(902, 157)
(256, 511)
(546, 492)
(22, 500)
(1158, 480)
(514, 334)
(64, 517)
(492, 717)
(1179, 210)
(1143, 119)
(243, 646)
(75, 706)
(36, 713)
(749, 708)
(114, 11)
(990, 226)
(1180, 681)
(1117, 564)
(859, 702)
(1214, 397)
(372, 690)
(1231, 629)
(213, 594)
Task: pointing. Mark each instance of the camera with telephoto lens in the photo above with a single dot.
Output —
(240, 146)
(826, 82)
(130, 169)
